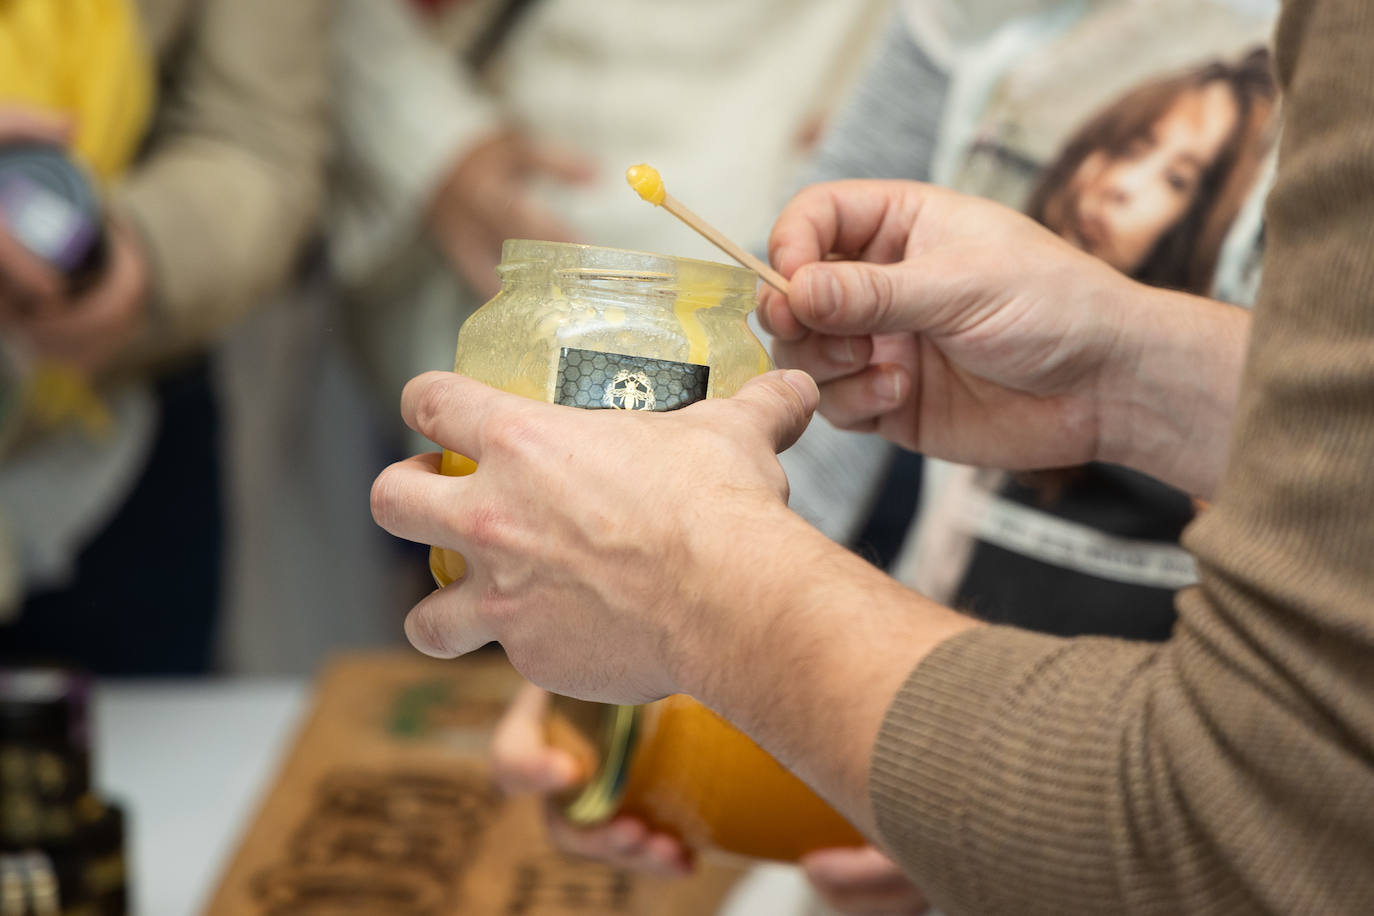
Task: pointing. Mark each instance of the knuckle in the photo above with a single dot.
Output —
(823, 294)
(876, 289)
(499, 612)
(513, 433)
(485, 526)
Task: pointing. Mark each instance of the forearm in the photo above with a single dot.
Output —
(1228, 770)
(798, 611)
(208, 268)
(1166, 404)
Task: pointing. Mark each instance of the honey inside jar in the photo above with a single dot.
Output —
(558, 297)
(695, 775)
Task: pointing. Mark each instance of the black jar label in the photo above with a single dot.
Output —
(594, 380)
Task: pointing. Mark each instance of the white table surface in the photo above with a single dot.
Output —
(189, 761)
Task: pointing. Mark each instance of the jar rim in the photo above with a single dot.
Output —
(642, 263)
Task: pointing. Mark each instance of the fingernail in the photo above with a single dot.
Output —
(888, 385)
(802, 383)
(838, 349)
(824, 290)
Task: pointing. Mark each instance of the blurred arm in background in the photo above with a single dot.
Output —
(231, 181)
(212, 184)
(423, 148)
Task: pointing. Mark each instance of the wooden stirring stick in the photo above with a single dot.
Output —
(648, 184)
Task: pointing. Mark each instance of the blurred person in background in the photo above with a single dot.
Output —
(204, 124)
(1150, 160)
(1156, 183)
(458, 125)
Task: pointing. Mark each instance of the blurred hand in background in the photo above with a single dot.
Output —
(524, 763)
(862, 882)
(852, 881)
(85, 330)
(488, 198)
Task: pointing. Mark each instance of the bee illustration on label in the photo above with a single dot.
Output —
(630, 390)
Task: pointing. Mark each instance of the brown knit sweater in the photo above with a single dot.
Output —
(1230, 770)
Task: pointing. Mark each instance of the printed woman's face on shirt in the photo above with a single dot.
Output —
(1123, 204)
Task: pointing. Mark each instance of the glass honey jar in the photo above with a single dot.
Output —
(603, 328)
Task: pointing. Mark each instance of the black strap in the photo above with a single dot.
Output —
(884, 533)
(490, 40)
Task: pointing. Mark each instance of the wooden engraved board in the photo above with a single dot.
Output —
(385, 808)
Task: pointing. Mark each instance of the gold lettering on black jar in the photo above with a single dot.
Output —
(593, 380)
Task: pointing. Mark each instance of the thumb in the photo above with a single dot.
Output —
(780, 405)
(855, 297)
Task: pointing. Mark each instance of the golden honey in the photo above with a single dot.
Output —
(694, 775)
(647, 183)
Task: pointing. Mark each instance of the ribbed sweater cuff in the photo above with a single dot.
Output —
(929, 745)
(989, 771)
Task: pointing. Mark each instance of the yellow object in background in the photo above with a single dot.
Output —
(85, 59)
(58, 393)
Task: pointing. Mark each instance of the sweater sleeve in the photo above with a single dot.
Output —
(231, 182)
(1231, 769)
(889, 123)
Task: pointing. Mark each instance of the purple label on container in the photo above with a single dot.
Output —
(46, 223)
